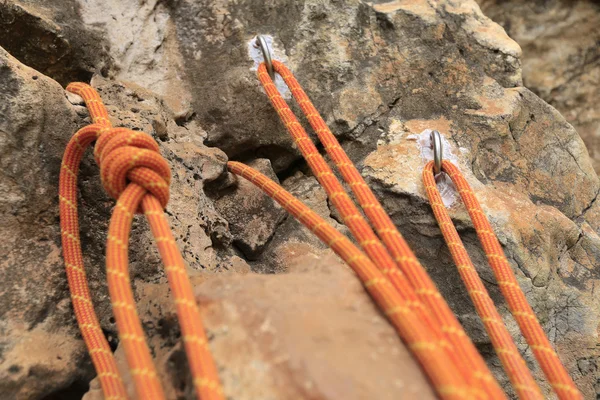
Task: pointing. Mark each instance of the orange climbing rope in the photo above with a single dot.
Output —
(507, 351)
(352, 217)
(514, 365)
(392, 302)
(410, 278)
(134, 173)
(404, 270)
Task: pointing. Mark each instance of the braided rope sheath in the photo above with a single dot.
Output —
(555, 372)
(514, 365)
(131, 334)
(134, 173)
(352, 217)
(404, 270)
(396, 306)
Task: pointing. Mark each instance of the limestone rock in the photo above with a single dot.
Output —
(560, 45)
(293, 244)
(141, 36)
(380, 73)
(40, 351)
(252, 215)
(364, 64)
(310, 333)
(50, 37)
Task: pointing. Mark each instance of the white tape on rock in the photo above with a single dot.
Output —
(445, 185)
(255, 54)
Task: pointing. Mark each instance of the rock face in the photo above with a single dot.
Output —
(285, 317)
(291, 336)
(49, 36)
(561, 60)
(36, 316)
(42, 352)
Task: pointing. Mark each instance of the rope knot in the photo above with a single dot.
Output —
(124, 155)
(130, 156)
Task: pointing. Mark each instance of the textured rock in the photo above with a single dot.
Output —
(254, 227)
(50, 37)
(293, 244)
(379, 73)
(39, 349)
(143, 46)
(34, 296)
(302, 334)
(561, 60)
(360, 71)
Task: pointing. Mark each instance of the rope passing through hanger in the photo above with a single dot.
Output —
(513, 363)
(469, 364)
(135, 174)
(393, 256)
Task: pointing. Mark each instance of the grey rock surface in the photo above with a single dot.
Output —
(50, 37)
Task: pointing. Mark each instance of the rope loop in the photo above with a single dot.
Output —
(457, 367)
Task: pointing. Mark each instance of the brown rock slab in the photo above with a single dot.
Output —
(313, 333)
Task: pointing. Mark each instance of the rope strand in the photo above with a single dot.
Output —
(555, 372)
(97, 345)
(514, 365)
